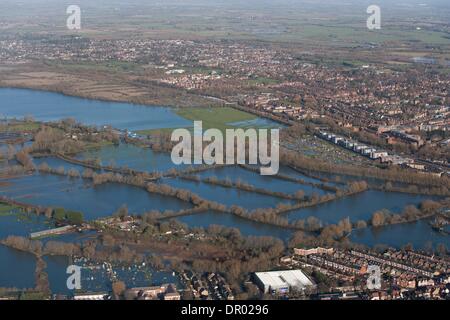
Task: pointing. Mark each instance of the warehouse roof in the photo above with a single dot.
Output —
(291, 278)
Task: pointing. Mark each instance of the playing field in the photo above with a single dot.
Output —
(217, 117)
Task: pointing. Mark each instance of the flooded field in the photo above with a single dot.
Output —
(80, 195)
(49, 106)
(17, 268)
(358, 207)
(246, 227)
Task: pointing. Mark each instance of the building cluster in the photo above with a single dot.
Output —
(279, 106)
(404, 274)
(395, 135)
(270, 79)
(365, 95)
(283, 282)
(127, 223)
(196, 81)
(162, 292)
(365, 150)
(392, 136)
(209, 286)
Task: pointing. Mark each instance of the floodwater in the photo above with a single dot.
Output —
(246, 227)
(80, 195)
(49, 106)
(360, 206)
(132, 157)
(17, 268)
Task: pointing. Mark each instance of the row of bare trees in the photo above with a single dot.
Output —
(393, 174)
(239, 184)
(410, 213)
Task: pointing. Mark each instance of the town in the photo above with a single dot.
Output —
(361, 101)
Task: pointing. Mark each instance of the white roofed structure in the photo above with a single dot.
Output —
(282, 281)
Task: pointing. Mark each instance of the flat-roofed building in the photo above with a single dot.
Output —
(92, 296)
(318, 250)
(282, 281)
(172, 296)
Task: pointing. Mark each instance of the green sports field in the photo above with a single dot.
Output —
(214, 117)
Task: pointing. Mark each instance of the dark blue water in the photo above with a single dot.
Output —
(133, 157)
(4, 147)
(56, 163)
(49, 106)
(417, 233)
(358, 207)
(236, 173)
(22, 224)
(298, 175)
(16, 269)
(95, 278)
(246, 227)
(227, 196)
(79, 195)
(4, 162)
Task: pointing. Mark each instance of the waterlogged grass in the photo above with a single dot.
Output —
(6, 213)
(98, 145)
(23, 126)
(6, 209)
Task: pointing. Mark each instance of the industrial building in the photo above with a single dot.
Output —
(282, 281)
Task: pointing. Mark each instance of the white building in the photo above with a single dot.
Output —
(378, 154)
(282, 281)
(92, 296)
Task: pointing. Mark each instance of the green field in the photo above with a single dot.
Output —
(217, 117)
(22, 126)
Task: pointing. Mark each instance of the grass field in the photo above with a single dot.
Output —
(20, 127)
(216, 117)
(97, 145)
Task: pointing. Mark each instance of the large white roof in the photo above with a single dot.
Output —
(291, 278)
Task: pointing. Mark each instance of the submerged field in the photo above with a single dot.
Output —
(103, 200)
(43, 190)
(99, 201)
